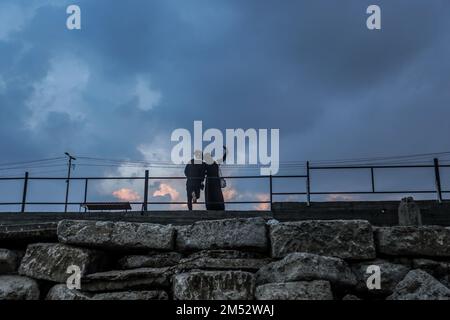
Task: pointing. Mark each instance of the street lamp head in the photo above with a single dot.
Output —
(70, 157)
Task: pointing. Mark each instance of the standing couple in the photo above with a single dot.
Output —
(196, 171)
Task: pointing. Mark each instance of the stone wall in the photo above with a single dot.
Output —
(241, 258)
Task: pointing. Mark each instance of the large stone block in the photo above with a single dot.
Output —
(61, 292)
(9, 261)
(345, 239)
(18, 288)
(419, 285)
(132, 295)
(390, 275)
(222, 260)
(301, 266)
(302, 290)
(126, 279)
(116, 235)
(245, 234)
(49, 261)
(155, 260)
(214, 285)
(430, 241)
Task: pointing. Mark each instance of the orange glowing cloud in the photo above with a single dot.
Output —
(229, 194)
(164, 190)
(263, 206)
(126, 194)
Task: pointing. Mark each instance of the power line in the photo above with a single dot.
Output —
(31, 161)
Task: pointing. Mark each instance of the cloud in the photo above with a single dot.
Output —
(147, 98)
(15, 16)
(166, 190)
(125, 194)
(229, 193)
(262, 206)
(61, 91)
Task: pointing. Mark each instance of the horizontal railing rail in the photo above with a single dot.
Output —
(438, 191)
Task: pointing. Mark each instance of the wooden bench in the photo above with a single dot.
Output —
(110, 206)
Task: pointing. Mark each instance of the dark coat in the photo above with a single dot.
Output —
(213, 189)
(195, 174)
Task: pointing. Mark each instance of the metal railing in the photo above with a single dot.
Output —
(307, 177)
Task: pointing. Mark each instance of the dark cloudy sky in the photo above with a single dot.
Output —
(140, 69)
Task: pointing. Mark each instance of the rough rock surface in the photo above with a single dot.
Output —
(222, 260)
(214, 285)
(126, 279)
(437, 269)
(132, 295)
(61, 292)
(345, 239)
(18, 288)
(119, 235)
(301, 266)
(391, 275)
(409, 213)
(49, 261)
(302, 290)
(419, 285)
(9, 261)
(241, 234)
(431, 241)
(155, 260)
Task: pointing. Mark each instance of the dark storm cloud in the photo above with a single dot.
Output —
(310, 68)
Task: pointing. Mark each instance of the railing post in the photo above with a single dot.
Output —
(438, 180)
(373, 179)
(25, 189)
(85, 192)
(271, 192)
(308, 185)
(144, 205)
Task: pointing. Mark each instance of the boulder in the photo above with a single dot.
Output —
(437, 269)
(390, 275)
(117, 280)
(9, 261)
(409, 213)
(155, 260)
(430, 241)
(116, 235)
(18, 288)
(214, 285)
(61, 292)
(222, 260)
(419, 285)
(302, 290)
(226, 254)
(243, 234)
(132, 295)
(302, 266)
(49, 261)
(345, 239)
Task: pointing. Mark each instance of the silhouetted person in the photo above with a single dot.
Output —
(195, 173)
(213, 190)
